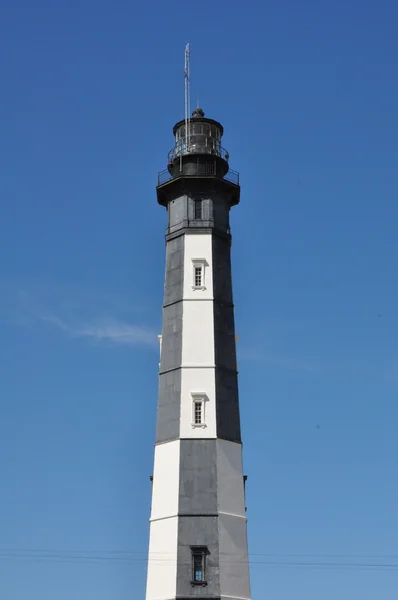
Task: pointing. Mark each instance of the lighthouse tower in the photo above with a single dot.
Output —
(198, 541)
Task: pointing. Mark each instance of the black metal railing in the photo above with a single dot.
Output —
(164, 176)
(198, 169)
(232, 176)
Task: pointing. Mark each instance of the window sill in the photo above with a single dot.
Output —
(202, 583)
(200, 425)
(199, 287)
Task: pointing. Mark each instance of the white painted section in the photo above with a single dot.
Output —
(162, 561)
(198, 373)
(234, 561)
(198, 247)
(166, 480)
(197, 333)
(201, 381)
(231, 496)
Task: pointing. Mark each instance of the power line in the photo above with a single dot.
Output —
(144, 553)
(161, 560)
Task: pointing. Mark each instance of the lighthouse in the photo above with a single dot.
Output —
(198, 526)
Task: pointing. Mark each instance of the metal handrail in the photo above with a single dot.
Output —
(199, 170)
(164, 176)
(232, 176)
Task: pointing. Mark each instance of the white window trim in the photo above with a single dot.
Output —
(202, 264)
(202, 398)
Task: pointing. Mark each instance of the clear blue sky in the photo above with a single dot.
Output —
(308, 94)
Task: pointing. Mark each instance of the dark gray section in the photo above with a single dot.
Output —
(224, 336)
(200, 482)
(220, 212)
(227, 399)
(178, 213)
(171, 353)
(233, 542)
(227, 405)
(198, 477)
(222, 275)
(215, 213)
(198, 498)
(198, 531)
(169, 398)
(173, 285)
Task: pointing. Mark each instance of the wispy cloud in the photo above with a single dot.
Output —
(84, 313)
(106, 330)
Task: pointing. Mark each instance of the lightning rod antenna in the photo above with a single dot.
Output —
(187, 78)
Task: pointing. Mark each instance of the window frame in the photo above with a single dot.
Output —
(197, 128)
(198, 203)
(202, 552)
(199, 263)
(198, 412)
(198, 275)
(199, 398)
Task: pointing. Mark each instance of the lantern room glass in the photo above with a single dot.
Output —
(203, 138)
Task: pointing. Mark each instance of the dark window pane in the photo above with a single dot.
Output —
(198, 567)
(198, 276)
(198, 413)
(198, 209)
